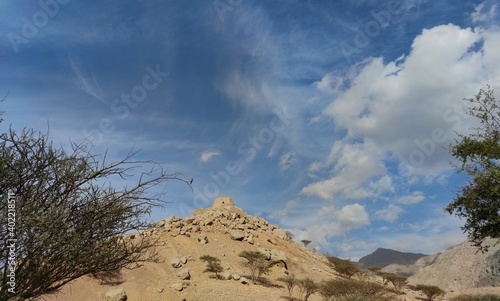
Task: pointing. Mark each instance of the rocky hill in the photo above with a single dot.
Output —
(222, 231)
(384, 257)
(459, 267)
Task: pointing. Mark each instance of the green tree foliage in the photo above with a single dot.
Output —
(397, 281)
(257, 264)
(290, 282)
(306, 242)
(430, 291)
(349, 289)
(307, 287)
(65, 216)
(213, 265)
(344, 267)
(478, 202)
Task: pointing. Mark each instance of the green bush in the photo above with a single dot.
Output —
(213, 265)
(290, 282)
(344, 267)
(346, 289)
(430, 291)
(476, 298)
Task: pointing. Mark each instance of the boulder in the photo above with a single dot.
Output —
(280, 233)
(116, 295)
(177, 286)
(184, 259)
(237, 235)
(184, 274)
(235, 276)
(176, 263)
(203, 239)
(243, 280)
(265, 252)
(278, 255)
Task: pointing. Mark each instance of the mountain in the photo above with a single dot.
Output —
(384, 257)
(460, 267)
(222, 231)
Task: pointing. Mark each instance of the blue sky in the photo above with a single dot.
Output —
(328, 118)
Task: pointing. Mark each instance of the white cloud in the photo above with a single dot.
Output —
(390, 214)
(414, 198)
(354, 165)
(408, 110)
(205, 156)
(315, 166)
(329, 222)
(480, 15)
(82, 82)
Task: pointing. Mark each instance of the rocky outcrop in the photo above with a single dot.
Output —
(384, 257)
(459, 267)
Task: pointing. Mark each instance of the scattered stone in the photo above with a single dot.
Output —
(116, 295)
(203, 239)
(235, 276)
(250, 239)
(184, 259)
(176, 263)
(177, 286)
(278, 255)
(237, 235)
(280, 233)
(174, 232)
(243, 280)
(266, 252)
(184, 274)
(225, 275)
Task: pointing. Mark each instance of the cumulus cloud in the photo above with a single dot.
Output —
(331, 222)
(205, 156)
(406, 111)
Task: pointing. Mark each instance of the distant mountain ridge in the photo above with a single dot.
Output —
(384, 257)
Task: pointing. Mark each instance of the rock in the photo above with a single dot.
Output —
(235, 276)
(203, 239)
(184, 274)
(225, 275)
(176, 263)
(278, 255)
(116, 295)
(175, 231)
(266, 252)
(250, 239)
(243, 280)
(237, 235)
(280, 233)
(177, 286)
(160, 224)
(184, 259)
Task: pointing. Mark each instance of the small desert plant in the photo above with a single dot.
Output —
(306, 242)
(290, 282)
(307, 287)
(345, 289)
(257, 264)
(288, 236)
(430, 291)
(213, 265)
(476, 298)
(399, 282)
(344, 267)
(374, 269)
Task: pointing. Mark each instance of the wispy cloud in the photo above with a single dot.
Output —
(81, 80)
(206, 156)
